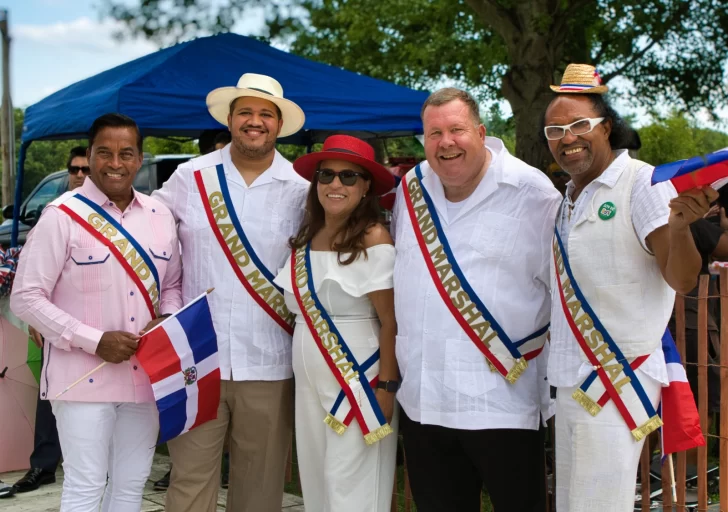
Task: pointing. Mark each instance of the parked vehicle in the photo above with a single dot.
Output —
(154, 172)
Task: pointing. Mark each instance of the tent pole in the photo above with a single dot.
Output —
(18, 193)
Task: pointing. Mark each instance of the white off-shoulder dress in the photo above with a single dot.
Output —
(340, 472)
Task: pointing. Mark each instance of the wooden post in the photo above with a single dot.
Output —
(666, 483)
(681, 465)
(7, 119)
(703, 389)
(393, 506)
(407, 489)
(289, 464)
(723, 486)
(645, 472)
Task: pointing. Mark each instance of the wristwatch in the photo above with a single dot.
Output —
(388, 385)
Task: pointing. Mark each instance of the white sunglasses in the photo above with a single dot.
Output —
(580, 127)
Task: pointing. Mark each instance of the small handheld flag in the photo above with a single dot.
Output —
(700, 171)
(681, 423)
(180, 357)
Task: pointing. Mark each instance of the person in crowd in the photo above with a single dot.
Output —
(75, 286)
(471, 288)
(46, 448)
(338, 280)
(222, 139)
(236, 209)
(620, 249)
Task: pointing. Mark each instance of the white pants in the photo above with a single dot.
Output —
(100, 439)
(596, 457)
(338, 472)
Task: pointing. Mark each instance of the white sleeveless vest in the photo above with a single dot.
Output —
(619, 278)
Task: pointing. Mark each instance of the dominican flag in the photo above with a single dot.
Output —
(681, 423)
(180, 357)
(708, 170)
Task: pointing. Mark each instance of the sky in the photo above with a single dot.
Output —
(58, 42)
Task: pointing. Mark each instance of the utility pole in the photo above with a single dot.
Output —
(7, 119)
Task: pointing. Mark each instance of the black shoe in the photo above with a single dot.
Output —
(6, 490)
(163, 483)
(33, 479)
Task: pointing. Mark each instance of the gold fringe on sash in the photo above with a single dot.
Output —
(645, 430)
(335, 424)
(518, 368)
(587, 403)
(378, 434)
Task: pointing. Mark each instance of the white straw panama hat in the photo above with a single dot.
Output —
(580, 79)
(257, 86)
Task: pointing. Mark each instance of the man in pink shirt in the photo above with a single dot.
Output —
(99, 267)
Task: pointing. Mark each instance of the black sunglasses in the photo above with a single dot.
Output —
(347, 178)
(73, 169)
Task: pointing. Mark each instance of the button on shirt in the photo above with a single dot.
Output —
(251, 345)
(649, 207)
(72, 289)
(501, 238)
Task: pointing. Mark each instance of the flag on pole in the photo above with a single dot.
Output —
(681, 423)
(708, 170)
(180, 357)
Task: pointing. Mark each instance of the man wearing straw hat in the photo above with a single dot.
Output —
(620, 249)
(236, 208)
(101, 263)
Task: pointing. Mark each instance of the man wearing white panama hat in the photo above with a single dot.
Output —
(236, 208)
(620, 249)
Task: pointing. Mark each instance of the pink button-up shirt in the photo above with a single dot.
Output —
(72, 301)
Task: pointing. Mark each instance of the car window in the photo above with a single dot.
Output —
(141, 181)
(45, 194)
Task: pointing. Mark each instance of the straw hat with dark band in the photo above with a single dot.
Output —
(257, 86)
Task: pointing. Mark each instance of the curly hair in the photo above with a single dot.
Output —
(366, 214)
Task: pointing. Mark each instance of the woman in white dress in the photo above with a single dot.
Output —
(338, 281)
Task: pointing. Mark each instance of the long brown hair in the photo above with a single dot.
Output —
(365, 215)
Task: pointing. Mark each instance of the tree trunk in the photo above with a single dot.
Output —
(534, 33)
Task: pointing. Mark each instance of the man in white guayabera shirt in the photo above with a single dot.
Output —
(472, 228)
(236, 208)
(620, 248)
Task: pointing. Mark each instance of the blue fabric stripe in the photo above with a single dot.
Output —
(196, 321)
(607, 338)
(350, 357)
(364, 367)
(588, 382)
(172, 415)
(536, 334)
(239, 228)
(459, 274)
(126, 234)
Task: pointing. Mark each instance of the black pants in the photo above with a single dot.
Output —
(448, 468)
(46, 447)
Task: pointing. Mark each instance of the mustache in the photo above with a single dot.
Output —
(258, 127)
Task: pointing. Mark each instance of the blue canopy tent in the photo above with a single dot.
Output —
(165, 93)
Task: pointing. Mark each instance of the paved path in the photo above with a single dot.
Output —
(48, 497)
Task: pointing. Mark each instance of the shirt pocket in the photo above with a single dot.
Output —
(494, 235)
(285, 220)
(613, 301)
(91, 269)
(466, 370)
(161, 254)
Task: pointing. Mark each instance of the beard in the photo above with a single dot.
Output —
(580, 167)
(251, 151)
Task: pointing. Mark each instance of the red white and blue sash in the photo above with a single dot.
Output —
(127, 250)
(252, 273)
(613, 376)
(508, 358)
(362, 403)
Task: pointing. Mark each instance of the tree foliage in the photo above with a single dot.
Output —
(677, 137)
(672, 51)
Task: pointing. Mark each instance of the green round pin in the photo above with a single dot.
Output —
(607, 210)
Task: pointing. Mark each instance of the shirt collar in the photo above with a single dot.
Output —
(91, 191)
(276, 170)
(611, 174)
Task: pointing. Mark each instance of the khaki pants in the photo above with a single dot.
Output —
(260, 414)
